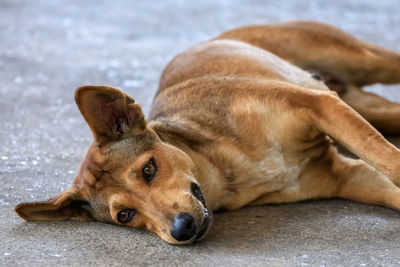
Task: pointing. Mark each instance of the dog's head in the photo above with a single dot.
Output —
(129, 176)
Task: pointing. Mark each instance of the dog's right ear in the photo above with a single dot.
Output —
(110, 113)
(66, 206)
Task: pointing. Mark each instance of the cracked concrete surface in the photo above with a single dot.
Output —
(48, 48)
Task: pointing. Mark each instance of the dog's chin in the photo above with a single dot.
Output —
(205, 224)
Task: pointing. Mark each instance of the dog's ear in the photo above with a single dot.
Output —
(65, 206)
(110, 113)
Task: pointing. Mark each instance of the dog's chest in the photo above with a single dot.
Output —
(248, 180)
(266, 157)
(274, 170)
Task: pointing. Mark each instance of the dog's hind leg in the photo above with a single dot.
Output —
(321, 47)
(344, 63)
(381, 113)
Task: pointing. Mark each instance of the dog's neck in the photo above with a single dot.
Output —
(206, 172)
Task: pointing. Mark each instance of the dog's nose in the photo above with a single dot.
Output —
(184, 227)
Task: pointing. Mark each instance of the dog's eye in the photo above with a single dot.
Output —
(149, 170)
(125, 216)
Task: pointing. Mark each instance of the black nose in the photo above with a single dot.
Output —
(184, 227)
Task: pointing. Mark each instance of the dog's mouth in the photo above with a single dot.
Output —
(207, 216)
(205, 224)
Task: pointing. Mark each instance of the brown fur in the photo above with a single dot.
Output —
(241, 117)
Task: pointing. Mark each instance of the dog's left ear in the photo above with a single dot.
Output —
(65, 206)
(110, 113)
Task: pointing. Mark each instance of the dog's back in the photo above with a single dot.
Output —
(233, 59)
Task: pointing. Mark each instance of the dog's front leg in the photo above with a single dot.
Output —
(334, 175)
(374, 179)
(333, 117)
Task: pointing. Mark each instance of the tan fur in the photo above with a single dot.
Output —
(240, 116)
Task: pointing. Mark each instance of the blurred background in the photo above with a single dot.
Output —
(49, 48)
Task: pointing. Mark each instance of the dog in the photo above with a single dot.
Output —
(247, 118)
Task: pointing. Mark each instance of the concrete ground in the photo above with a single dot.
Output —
(48, 48)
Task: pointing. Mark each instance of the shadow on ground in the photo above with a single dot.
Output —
(311, 233)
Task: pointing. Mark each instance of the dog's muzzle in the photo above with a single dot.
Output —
(184, 225)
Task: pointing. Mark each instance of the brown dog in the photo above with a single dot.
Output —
(238, 117)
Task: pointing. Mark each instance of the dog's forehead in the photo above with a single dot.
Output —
(100, 163)
(130, 147)
(122, 153)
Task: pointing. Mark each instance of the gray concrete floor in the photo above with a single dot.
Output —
(48, 48)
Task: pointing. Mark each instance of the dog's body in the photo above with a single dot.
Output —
(236, 116)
